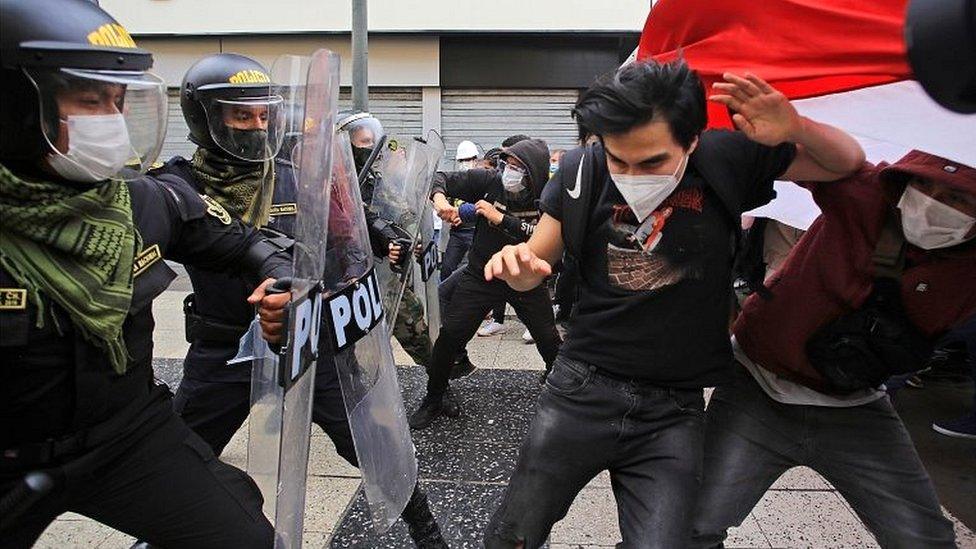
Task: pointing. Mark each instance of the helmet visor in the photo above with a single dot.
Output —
(101, 124)
(248, 128)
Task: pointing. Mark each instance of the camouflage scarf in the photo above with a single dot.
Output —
(75, 247)
(243, 188)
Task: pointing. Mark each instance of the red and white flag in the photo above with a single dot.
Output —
(842, 62)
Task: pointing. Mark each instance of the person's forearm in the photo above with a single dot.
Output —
(440, 201)
(831, 148)
(546, 241)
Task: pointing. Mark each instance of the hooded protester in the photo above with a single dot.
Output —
(507, 205)
(880, 275)
(84, 427)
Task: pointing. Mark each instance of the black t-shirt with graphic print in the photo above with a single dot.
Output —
(655, 297)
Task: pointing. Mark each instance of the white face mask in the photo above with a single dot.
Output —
(512, 179)
(930, 224)
(644, 193)
(98, 147)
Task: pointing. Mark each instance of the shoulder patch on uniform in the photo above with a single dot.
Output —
(215, 209)
(289, 208)
(156, 165)
(145, 259)
(13, 299)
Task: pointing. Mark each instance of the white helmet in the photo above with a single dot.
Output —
(466, 150)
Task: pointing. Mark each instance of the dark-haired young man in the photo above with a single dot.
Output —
(649, 210)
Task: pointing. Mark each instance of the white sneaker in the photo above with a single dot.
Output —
(492, 328)
(527, 337)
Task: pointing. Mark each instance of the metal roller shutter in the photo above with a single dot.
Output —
(489, 116)
(399, 109)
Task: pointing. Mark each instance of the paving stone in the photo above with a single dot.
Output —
(326, 500)
(810, 519)
(748, 534)
(591, 520)
(75, 533)
(801, 478)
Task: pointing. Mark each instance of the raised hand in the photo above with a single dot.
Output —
(764, 114)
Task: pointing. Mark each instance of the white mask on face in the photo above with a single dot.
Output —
(930, 224)
(512, 179)
(644, 193)
(98, 147)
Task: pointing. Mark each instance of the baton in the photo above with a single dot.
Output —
(32, 489)
(370, 160)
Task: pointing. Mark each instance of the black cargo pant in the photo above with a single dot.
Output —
(864, 451)
(167, 488)
(472, 298)
(648, 437)
(215, 410)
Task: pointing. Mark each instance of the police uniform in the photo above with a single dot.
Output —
(410, 325)
(214, 398)
(112, 442)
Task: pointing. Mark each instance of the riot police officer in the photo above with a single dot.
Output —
(410, 326)
(239, 126)
(83, 426)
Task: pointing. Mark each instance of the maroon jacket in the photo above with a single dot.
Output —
(830, 271)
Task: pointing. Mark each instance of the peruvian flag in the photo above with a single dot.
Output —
(842, 62)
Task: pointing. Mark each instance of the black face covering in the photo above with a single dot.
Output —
(248, 143)
(360, 155)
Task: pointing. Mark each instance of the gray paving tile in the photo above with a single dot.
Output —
(591, 520)
(801, 478)
(809, 519)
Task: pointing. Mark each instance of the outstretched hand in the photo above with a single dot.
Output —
(761, 112)
(518, 266)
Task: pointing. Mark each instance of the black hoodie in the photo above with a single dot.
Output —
(521, 210)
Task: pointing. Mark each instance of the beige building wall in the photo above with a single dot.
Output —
(201, 17)
(393, 60)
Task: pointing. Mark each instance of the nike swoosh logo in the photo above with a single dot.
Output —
(574, 193)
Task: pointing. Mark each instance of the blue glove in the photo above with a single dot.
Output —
(467, 212)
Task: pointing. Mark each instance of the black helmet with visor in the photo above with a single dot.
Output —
(231, 106)
(77, 91)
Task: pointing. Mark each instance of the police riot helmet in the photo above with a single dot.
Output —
(364, 132)
(232, 107)
(76, 92)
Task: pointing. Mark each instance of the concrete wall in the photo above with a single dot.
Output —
(206, 17)
(393, 60)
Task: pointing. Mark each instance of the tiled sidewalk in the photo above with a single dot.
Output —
(464, 464)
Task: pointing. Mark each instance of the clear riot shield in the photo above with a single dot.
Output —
(355, 326)
(402, 197)
(283, 380)
(426, 275)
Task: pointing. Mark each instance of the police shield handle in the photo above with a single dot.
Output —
(271, 298)
(519, 266)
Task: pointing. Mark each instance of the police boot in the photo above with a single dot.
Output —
(423, 527)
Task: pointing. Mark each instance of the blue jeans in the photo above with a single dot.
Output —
(864, 451)
(648, 437)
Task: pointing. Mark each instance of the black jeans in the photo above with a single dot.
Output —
(472, 298)
(168, 489)
(215, 410)
(457, 247)
(864, 451)
(648, 437)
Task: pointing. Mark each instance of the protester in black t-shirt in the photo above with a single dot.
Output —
(650, 210)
